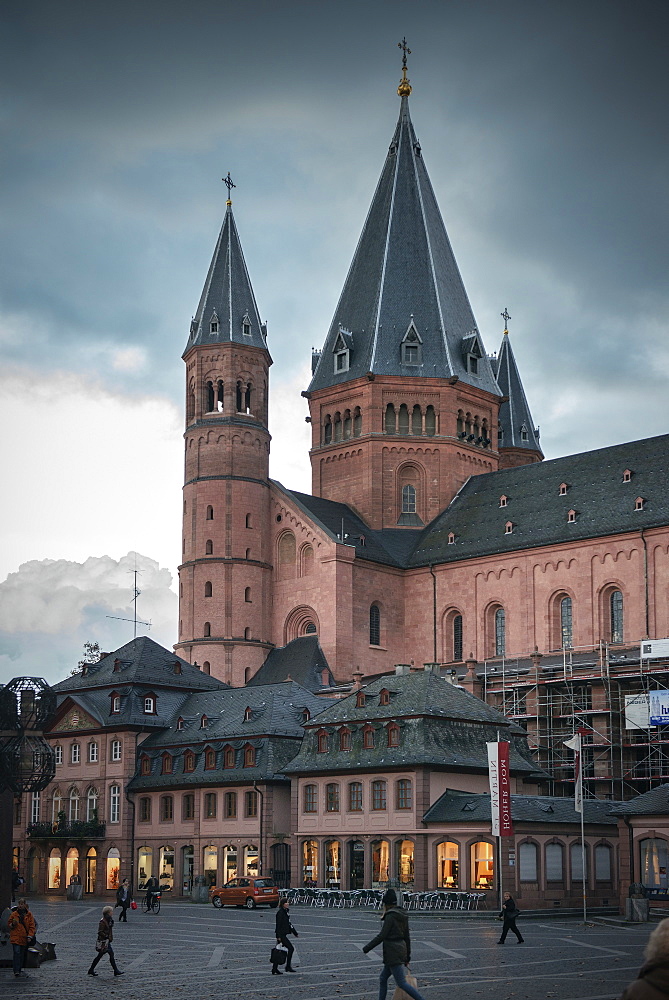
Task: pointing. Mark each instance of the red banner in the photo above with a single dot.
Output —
(500, 789)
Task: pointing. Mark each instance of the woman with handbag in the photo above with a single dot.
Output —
(283, 929)
(509, 913)
(124, 899)
(103, 945)
(396, 947)
(22, 929)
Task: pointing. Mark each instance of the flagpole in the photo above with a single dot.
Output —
(585, 903)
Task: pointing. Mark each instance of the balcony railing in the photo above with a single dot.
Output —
(77, 830)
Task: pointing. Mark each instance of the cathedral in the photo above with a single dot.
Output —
(434, 532)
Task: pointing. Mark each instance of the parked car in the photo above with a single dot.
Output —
(248, 892)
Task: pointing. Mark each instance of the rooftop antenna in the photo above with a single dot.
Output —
(135, 595)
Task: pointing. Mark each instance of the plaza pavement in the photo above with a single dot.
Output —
(199, 953)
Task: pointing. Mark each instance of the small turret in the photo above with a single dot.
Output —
(518, 438)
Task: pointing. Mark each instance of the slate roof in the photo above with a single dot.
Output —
(301, 660)
(603, 503)
(457, 806)
(652, 803)
(441, 726)
(403, 271)
(274, 730)
(514, 414)
(227, 297)
(139, 668)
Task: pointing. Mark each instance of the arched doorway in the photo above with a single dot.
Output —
(144, 865)
(356, 864)
(280, 864)
(333, 864)
(380, 864)
(113, 866)
(166, 869)
(71, 865)
(91, 869)
(210, 864)
(187, 865)
(32, 870)
(54, 879)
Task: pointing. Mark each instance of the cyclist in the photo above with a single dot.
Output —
(151, 890)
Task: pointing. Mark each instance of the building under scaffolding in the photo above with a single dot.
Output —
(606, 692)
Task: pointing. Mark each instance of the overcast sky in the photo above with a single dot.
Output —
(544, 129)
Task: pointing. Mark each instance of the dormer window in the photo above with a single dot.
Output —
(204, 722)
(246, 325)
(503, 500)
(306, 715)
(149, 705)
(384, 696)
(638, 503)
(167, 763)
(145, 765)
(451, 538)
(115, 704)
(189, 761)
(508, 528)
(472, 353)
(228, 757)
(627, 476)
(345, 739)
(209, 759)
(563, 489)
(342, 351)
(360, 700)
(393, 735)
(249, 756)
(571, 516)
(322, 741)
(247, 714)
(368, 738)
(213, 325)
(411, 347)
(180, 723)
(524, 436)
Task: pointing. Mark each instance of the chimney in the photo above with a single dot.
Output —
(402, 668)
(357, 679)
(470, 681)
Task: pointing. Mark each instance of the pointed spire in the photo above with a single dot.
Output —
(404, 270)
(404, 89)
(227, 310)
(516, 427)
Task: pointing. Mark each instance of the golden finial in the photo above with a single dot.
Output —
(505, 316)
(229, 185)
(404, 88)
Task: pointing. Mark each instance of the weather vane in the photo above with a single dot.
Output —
(229, 185)
(505, 316)
(404, 88)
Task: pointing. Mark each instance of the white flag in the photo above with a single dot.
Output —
(575, 744)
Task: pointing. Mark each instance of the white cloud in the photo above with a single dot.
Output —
(129, 359)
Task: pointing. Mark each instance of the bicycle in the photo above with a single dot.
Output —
(153, 906)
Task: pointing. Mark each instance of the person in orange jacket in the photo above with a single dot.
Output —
(21, 933)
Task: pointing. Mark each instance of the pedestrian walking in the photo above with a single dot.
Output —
(283, 929)
(151, 890)
(652, 983)
(509, 913)
(17, 882)
(103, 945)
(396, 946)
(22, 929)
(124, 899)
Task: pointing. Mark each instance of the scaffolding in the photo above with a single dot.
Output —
(553, 695)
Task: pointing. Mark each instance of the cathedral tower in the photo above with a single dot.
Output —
(403, 400)
(224, 578)
(517, 438)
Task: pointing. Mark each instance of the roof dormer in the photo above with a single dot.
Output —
(503, 500)
(627, 476)
(412, 346)
(472, 352)
(571, 516)
(343, 347)
(563, 489)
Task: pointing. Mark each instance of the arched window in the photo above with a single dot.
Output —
(616, 611)
(448, 855)
(357, 422)
(327, 430)
(416, 420)
(209, 759)
(654, 861)
(247, 523)
(249, 756)
(405, 861)
(208, 589)
(145, 764)
(460, 425)
(322, 741)
(210, 513)
(390, 419)
(189, 761)
(310, 629)
(345, 739)
(375, 625)
(92, 797)
(114, 803)
(348, 425)
(92, 752)
(167, 763)
(482, 865)
(430, 422)
(210, 397)
(229, 757)
(337, 426)
(576, 859)
(457, 637)
(56, 805)
(554, 863)
(207, 630)
(209, 547)
(247, 633)
(500, 632)
(310, 862)
(74, 805)
(166, 808)
(403, 421)
(603, 863)
(286, 555)
(403, 794)
(307, 560)
(393, 732)
(566, 625)
(206, 667)
(368, 738)
(527, 862)
(113, 866)
(247, 595)
(408, 499)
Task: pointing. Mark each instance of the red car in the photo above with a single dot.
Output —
(246, 891)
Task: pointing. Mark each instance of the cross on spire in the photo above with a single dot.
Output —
(404, 88)
(229, 185)
(505, 316)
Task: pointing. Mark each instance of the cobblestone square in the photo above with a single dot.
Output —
(199, 952)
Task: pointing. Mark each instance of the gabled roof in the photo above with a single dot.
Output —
(403, 270)
(459, 807)
(301, 660)
(604, 502)
(514, 414)
(227, 298)
(441, 726)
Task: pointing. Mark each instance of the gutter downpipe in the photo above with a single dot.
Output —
(261, 870)
(645, 580)
(434, 612)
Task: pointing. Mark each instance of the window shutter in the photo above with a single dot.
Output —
(577, 863)
(554, 863)
(603, 863)
(528, 862)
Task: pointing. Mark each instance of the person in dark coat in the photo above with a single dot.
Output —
(652, 982)
(283, 929)
(509, 913)
(151, 889)
(396, 946)
(123, 899)
(103, 945)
